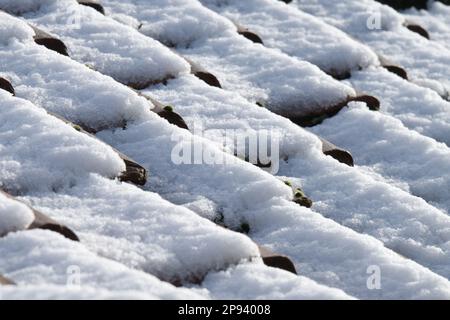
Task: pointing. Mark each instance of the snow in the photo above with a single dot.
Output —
(14, 215)
(332, 12)
(303, 233)
(12, 30)
(108, 103)
(44, 77)
(106, 45)
(143, 231)
(216, 110)
(279, 26)
(389, 212)
(135, 253)
(381, 28)
(388, 149)
(234, 60)
(397, 96)
(51, 272)
(254, 281)
(40, 152)
(62, 292)
(24, 6)
(439, 11)
(161, 19)
(218, 181)
(419, 109)
(47, 266)
(435, 20)
(173, 259)
(339, 250)
(210, 112)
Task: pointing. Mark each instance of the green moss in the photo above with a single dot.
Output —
(299, 193)
(288, 183)
(77, 127)
(301, 199)
(168, 108)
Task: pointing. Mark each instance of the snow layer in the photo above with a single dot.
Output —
(161, 19)
(143, 231)
(257, 282)
(47, 266)
(217, 110)
(435, 20)
(381, 28)
(13, 30)
(106, 45)
(62, 292)
(321, 248)
(67, 270)
(303, 233)
(325, 251)
(14, 215)
(110, 235)
(24, 6)
(257, 73)
(40, 152)
(162, 129)
(214, 113)
(410, 161)
(420, 109)
(297, 34)
(68, 89)
(288, 228)
(417, 107)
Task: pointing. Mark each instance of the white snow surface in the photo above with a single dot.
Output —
(166, 132)
(47, 266)
(268, 218)
(257, 73)
(390, 211)
(420, 109)
(40, 152)
(106, 45)
(43, 76)
(67, 270)
(382, 29)
(14, 215)
(436, 20)
(24, 6)
(254, 281)
(13, 30)
(202, 104)
(279, 27)
(145, 232)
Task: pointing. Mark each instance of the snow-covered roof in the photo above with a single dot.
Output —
(121, 169)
